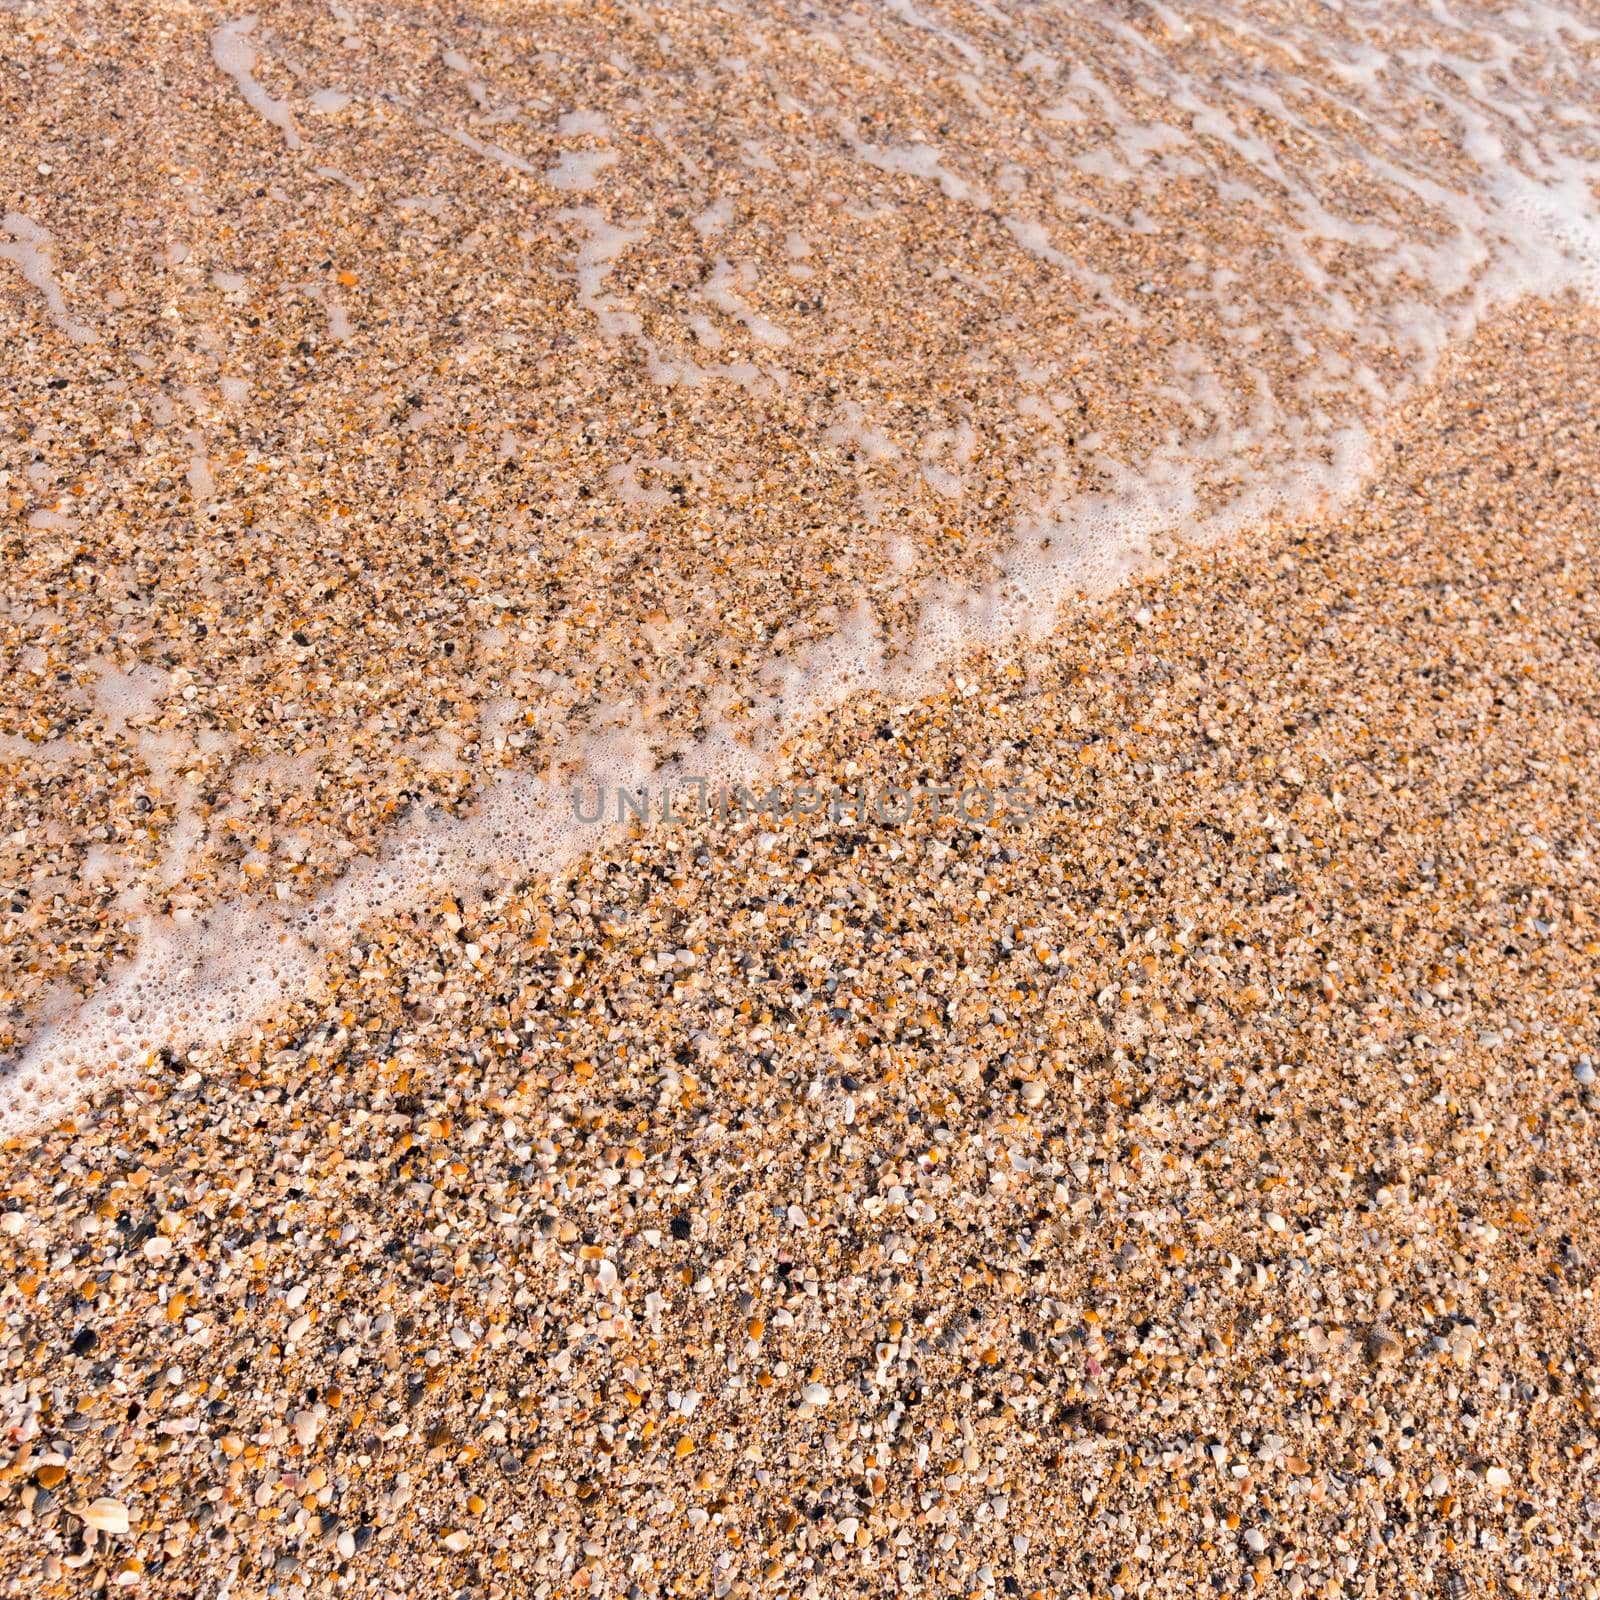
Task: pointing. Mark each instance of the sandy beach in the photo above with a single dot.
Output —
(1187, 1189)
(1085, 518)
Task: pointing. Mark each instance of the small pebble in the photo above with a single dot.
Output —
(1384, 1347)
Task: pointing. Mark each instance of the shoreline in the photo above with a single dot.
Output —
(396, 408)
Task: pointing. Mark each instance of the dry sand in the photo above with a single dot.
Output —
(1189, 1189)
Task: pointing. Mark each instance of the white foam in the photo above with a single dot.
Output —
(853, 430)
(625, 485)
(719, 290)
(123, 697)
(338, 175)
(604, 242)
(30, 251)
(488, 150)
(44, 518)
(579, 169)
(577, 124)
(1035, 239)
(916, 160)
(715, 217)
(202, 485)
(235, 55)
(226, 973)
(339, 326)
(17, 747)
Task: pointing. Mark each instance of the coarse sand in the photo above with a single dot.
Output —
(1186, 1188)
